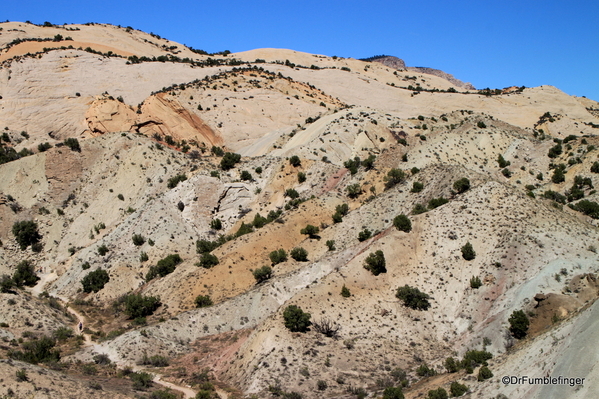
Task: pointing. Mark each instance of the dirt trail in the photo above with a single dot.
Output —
(79, 318)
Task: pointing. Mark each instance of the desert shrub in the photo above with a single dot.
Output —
(451, 365)
(475, 282)
(589, 208)
(474, 358)
(229, 160)
(95, 281)
(558, 175)
(368, 163)
(481, 124)
(262, 274)
(462, 185)
(402, 223)
(102, 359)
(364, 235)
(468, 252)
(138, 240)
(207, 260)
(141, 380)
(518, 324)
(44, 146)
(203, 301)
(456, 389)
(296, 320)
(137, 305)
(216, 224)
(155, 360)
(301, 177)
(345, 292)
(102, 250)
(352, 165)
(73, 144)
(555, 196)
(205, 246)
(164, 266)
(258, 170)
(278, 256)
(37, 351)
(6, 283)
(327, 327)
(259, 221)
(375, 263)
(394, 177)
(25, 274)
(353, 190)
(299, 254)
(484, 373)
(295, 161)
(180, 206)
(21, 376)
(595, 167)
(330, 245)
(413, 298)
(502, 162)
(322, 385)
(310, 230)
(555, 151)
(340, 211)
(417, 187)
(175, 180)
(438, 393)
(217, 151)
(62, 333)
(26, 233)
(143, 257)
(437, 202)
(418, 209)
(245, 175)
(163, 394)
(291, 193)
(424, 371)
(244, 229)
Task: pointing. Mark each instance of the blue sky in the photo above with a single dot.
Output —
(488, 43)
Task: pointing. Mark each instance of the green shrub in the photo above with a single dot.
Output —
(330, 245)
(203, 301)
(278, 256)
(481, 124)
(393, 393)
(345, 292)
(462, 185)
(413, 298)
(137, 305)
(95, 281)
(138, 240)
(259, 221)
(229, 160)
(42, 147)
(417, 187)
(424, 371)
(595, 167)
(175, 180)
(164, 266)
(216, 224)
(437, 202)
(418, 209)
(311, 231)
(6, 283)
(402, 223)
(102, 250)
(299, 254)
(217, 151)
(296, 320)
(120, 196)
(245, 175)
(555, 151)
(207, 260)
(143, 257)
(353, 165)
(205, 246)
(519, 324)
(141, 380)
(451, 365)
(456, 389)
(22, 375)
(364, 235)
(394, 177)
(301, 177)
(37, 351)
(353, 190)
(291, 193)
(475, 282)
(468, 252)
(258, 170)
(558, 175)
(589, 208)
(262, 274)
(62, 333)
(295, 161)
(484, 373)
(375, 263)
(25, 274)
(73, 144)
(26, 233)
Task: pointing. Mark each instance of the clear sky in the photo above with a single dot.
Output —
(488, 43)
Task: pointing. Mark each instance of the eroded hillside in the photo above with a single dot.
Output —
(225, 188)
